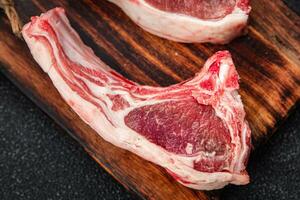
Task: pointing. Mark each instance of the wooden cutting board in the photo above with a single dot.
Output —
(267, 59)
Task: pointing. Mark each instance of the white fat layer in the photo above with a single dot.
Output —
(40, 53)
(184, 28)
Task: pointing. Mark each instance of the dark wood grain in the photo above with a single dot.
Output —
(267, 60)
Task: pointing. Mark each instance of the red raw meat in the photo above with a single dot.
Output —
(195, 129)
(214, 21)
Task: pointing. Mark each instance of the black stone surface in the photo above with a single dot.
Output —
(38, 160)
(294, 5)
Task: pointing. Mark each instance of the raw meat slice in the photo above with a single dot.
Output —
(214, 21)
(202, 9)
(196, 129)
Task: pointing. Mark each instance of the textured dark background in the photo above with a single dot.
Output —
(38, 160)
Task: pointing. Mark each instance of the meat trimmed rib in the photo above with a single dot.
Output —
(214, 21)
(196, 129)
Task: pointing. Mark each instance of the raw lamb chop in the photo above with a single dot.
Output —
(214, 21)
(196, 129)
